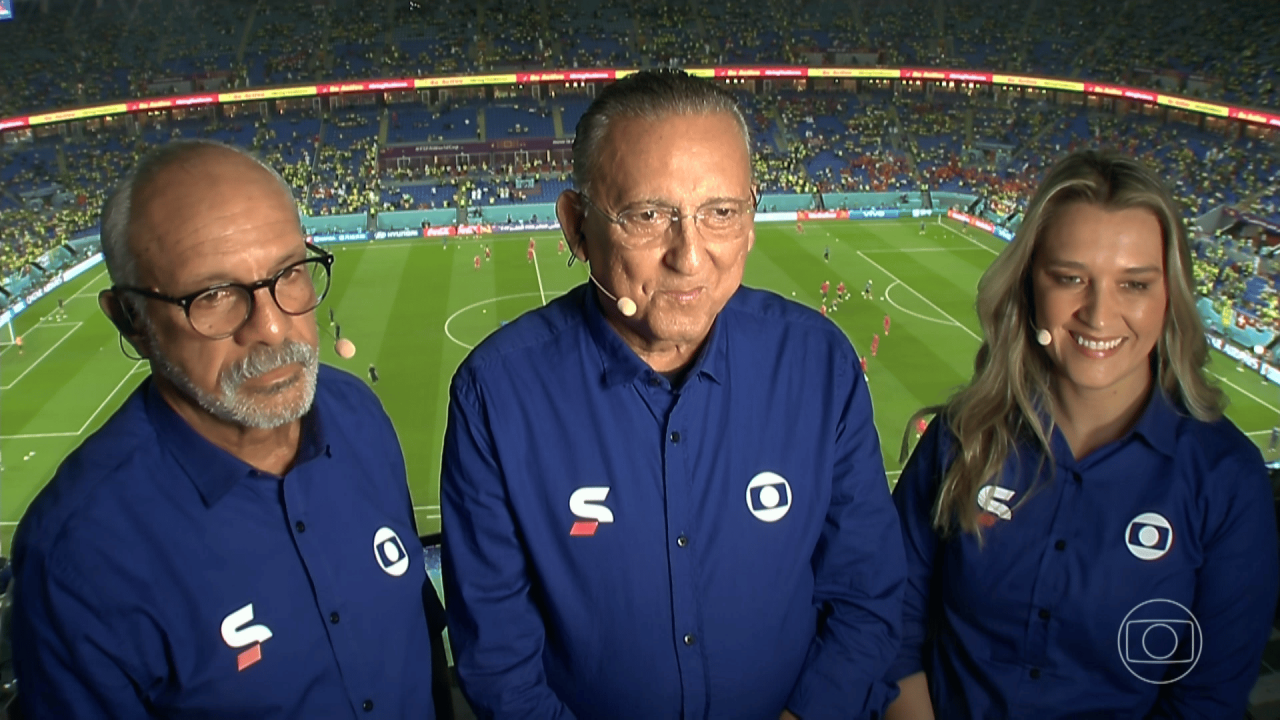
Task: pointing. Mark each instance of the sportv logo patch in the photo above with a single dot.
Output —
(584, 503)
(236, 635)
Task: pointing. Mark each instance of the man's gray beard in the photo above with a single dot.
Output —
(237, 408)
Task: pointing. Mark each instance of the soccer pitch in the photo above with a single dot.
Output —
(414, 310)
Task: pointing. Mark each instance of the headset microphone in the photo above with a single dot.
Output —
(626, 305)
(342, 346)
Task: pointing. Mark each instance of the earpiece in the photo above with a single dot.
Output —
(122, 317)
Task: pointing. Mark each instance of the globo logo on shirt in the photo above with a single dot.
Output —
(1149, 536)
(390, 552)
(768, 496)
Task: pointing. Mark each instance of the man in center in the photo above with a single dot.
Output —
(663, 494)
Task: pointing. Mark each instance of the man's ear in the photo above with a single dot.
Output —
(569, 213)
(124, 318)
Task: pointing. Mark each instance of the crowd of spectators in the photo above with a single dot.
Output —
(80, 53)
(804, 142)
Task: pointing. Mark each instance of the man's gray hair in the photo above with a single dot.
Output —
(650, 95)
(117, 211)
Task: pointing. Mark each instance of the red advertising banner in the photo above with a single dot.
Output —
(1255, 117)
(933, 75)
(171, 102)
(566, 76)
(762, 72)
(1121, 92)
(16, 122)
(822, 215)
(454, 230)
(366, 86)
(970, 220)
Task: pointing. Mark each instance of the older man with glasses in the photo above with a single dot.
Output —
(237, 541)
(663, 494)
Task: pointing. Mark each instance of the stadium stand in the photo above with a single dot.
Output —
(811, 141)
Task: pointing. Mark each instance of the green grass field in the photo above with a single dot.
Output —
(414, 310)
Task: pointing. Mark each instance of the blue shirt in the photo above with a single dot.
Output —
(157, 576)
(619, 548)
(1138, 582)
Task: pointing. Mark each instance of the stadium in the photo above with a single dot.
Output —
(896, 145)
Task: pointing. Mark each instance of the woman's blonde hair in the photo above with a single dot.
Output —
(1009, 398)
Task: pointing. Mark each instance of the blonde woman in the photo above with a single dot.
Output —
(1086, 535)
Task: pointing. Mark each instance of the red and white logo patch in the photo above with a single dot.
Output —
(584, 503)
(236, 635)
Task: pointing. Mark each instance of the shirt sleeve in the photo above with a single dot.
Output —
(1235, 601)
(495, 629)
(914, 496)
(858, 577)
(68, 660)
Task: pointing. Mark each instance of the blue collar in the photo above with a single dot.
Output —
(1157, 426)
(621, 364)
(211, 469)
(1159, 422)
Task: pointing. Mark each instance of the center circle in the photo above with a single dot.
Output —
(1149, 536)
(1147, 635)
(769, 496)
(549, 295)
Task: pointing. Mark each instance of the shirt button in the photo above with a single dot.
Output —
(688, 639)
(300, 526)
(1044, 614)
(675, 437)
(1035, 673)
(367, 705)
(333, 618)
(1060, 545)
(682, 541)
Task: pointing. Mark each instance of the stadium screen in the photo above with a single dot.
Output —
(6, 9)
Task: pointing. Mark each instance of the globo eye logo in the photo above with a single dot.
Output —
(768, 496)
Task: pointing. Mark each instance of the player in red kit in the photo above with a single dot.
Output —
(799, 227)
(921, 426)
(875, 344)
(864, 365)
(840, 291)
(886, 326)
(826, 285)
(531, 245)
(488, 252)
(477, 262)
(560, 248)
(529, 255)
(822, 309)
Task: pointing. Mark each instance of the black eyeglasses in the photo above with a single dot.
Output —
(220, 311)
